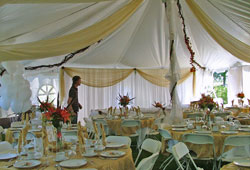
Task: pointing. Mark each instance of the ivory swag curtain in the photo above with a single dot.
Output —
(108, 77)
(228, 42)
(71, 42)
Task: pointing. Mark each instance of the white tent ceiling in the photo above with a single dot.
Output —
(141, 42)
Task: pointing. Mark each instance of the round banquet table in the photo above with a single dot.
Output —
(204, 151)
(231, 166)
(124, 163)
(245, 121)
(115, 126)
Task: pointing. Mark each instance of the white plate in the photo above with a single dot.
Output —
(24, 164)
(100, 149)
(114, 145)
(73, 163)
(244, 126)
(89, 169)
(179, 129)
(113, 154)
(60, 160)
(179, 126)
(229, 132)
(202, 131)
(244, 129)
(5, 156)
(89, 154)
(35, 130)
(245, 163)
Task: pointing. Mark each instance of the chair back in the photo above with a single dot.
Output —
(149, 145)
(198, 138)
(1, 129)
(130, 123)
(119, 139)
(194, 115)
(5, 146)
(179, 151)
(16, 124)
(147, 163)
(152, 146)
(165, 134)
(239, 140)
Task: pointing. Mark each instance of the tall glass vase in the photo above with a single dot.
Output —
(59, 144)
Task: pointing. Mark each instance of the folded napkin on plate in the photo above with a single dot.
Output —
(9, 136)
(45, 140)
(27, 118)
(33, 115)
(103, 135)
(80, 137)
(114, 111)
(95, 130)
(24, 133)
(20, 142)
(23, 118)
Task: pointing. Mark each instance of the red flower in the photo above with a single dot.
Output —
(59, 134)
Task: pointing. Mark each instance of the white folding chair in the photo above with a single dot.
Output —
(16, 124)
(180, 150)
(1, 132)
(149, 145)
(5, 146)
(105, 125)
(148, 163)
(194, 115)
(166, 136)
(201, 139)
(89, 126)
(131, 124)
(119, 139)
(222, 114)
(235, 141)
(153, 132)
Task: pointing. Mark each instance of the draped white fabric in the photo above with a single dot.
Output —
(235, 83)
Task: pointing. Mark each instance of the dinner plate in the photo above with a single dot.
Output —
(244, 163)
(114, 145)
(89, 154)
(73, 163)
(179, 129)
(244, 126)
(5, 156)
(100, 148)
(229, 132)
(35, 130)
(244, 129)
(113, 154)
(179, 126)
(202, 131)
(24, 164)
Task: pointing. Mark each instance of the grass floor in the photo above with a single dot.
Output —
(206, 165)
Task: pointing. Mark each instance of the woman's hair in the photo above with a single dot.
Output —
(75, 79)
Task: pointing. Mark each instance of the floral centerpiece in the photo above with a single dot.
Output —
(159, 105)
(206, 101)
(44, 106)
(57, 116)
(124, 100)
(241, 95)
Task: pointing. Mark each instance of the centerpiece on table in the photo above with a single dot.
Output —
(57, 116)
(207, 104)
(160, 106)
(125, 100)
(241, 97)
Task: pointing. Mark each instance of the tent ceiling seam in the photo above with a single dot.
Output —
(209, 1)
(21, 34)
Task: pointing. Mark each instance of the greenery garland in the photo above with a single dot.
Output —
(193, 62)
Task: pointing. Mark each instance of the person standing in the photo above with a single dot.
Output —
(73, 98)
